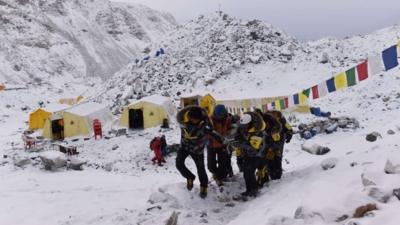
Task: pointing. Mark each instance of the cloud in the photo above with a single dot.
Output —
(305, 19)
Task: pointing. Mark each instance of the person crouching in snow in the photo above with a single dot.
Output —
(195, 128)
(155, 145)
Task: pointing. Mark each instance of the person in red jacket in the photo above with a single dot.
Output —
(218, 157)
(155, 145)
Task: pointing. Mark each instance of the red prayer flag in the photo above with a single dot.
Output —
(315, 92)
(362, 71)
(286, 102)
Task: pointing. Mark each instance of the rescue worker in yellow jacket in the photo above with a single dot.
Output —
(251, 147)
(195, 130)
(286, 135)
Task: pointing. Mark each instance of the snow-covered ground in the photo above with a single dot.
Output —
(120, 185)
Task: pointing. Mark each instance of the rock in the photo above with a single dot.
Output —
(153, 208)
(75, 164)
(329, 163)
(341, 218)
(379, 195)
(314, 148)
(53, 160)
(306, 214)
(392, 165)
(373, 136)
(159, 197)
(108, 167)
(366, 180)
(22, 162)
(115, 147)
(362, 210)
(390, 132)
(173, 219)
(396, 192)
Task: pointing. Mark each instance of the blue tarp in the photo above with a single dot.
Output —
(162, 51)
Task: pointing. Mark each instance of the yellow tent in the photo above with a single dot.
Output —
(208, 103)
(147, 112)
(38, 117)
(190, 100)
(77, 121)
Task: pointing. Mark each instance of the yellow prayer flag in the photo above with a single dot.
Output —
(303, 99)
(340, 81)
(277, 105)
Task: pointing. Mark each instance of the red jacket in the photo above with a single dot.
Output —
(222, 127)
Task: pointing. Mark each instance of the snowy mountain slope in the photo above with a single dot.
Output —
(40, 39)
(121, 186)
(216, 53)
(200, 52)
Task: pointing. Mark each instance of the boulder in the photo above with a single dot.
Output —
(21, 162)
(396, 192)
(371, 137)
(329, 163)
(392, 165)
(379, 195)
(53, 160)
(362, 210)
(314, 148)
(305, 213)
(390, 132)
(368, 179)
(173, 219)
(76, 164)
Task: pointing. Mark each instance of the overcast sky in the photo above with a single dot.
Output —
(304, 19)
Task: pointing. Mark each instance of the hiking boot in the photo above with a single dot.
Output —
(203, 192)
(252, 193)
(218, 181)
(189, 184)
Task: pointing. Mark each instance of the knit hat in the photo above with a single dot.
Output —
(220, 111)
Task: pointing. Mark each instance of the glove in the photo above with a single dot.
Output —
(207, 129)
(288, 138)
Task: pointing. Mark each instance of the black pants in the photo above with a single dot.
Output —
(198, 160)
(218, 162)
(275, 164)
(250, 164)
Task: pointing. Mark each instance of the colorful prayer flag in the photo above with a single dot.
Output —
(351, 77)
(340, 81)
(296, 99)
(306, 92)
(389, 57)
(286, 102)
(303, 99)
(277, 105)
(315, 92)
(291, 101)
(322, 89)
(331, 85)
(362, 71)
(282, 103)
(375, 65)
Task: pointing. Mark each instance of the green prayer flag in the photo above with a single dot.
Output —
(282, 103)
(307, 92)
(351, 77)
